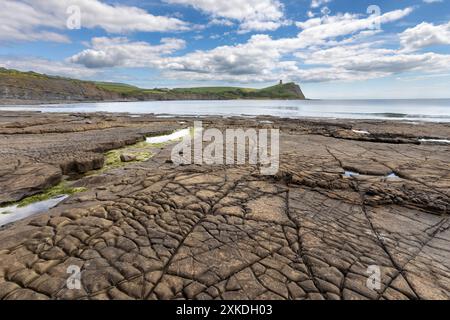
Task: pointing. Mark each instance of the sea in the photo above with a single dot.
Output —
(433, 110)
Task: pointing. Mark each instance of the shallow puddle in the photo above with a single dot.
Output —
(434, 140)
(351, 174)
(169, 137)
(392, 176)
(361, 131)
(15, 213)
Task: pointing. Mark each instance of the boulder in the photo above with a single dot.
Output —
(126, 157)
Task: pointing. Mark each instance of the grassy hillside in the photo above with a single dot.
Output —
(17, 85)
(31, 75)
(117, 87)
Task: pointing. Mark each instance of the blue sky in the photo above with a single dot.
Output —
(333, 48)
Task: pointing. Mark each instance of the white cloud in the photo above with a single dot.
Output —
(252, 15)
(249, 59)
(50, 67)
(425, 35)
(33, 20)
(432, 1)
(113, 19)
(319, 3)
(19, 21)
(320, 57)
(368, 58)
(335, 48)
(344, 24)
(221, 22)
(111, 52)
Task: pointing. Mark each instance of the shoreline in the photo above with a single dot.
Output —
(354, 110)
(18, 103)
(21, 102)
(348, 194)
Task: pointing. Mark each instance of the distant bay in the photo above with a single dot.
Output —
(435, 110)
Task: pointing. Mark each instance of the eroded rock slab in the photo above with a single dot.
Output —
(152, 230)
(36, 149)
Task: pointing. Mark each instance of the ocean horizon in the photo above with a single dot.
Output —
(432, 110)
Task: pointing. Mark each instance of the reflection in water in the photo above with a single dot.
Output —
(14, 213)
(434, 140)
(169, 137)
(361, 131)
(392, 175)
(350, 174)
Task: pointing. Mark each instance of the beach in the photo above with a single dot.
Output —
(350, 197)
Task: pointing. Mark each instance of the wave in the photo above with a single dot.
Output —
(396, 115)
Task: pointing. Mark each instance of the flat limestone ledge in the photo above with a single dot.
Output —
(153, 230)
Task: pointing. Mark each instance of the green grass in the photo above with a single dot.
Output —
(274, 91)
(117, 87)
(281, 91)
(31, 75)
(128, 90)
(213, 90)
(278, 91)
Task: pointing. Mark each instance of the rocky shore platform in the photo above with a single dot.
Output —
(358, 210)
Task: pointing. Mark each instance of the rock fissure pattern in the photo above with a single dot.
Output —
(152, 230)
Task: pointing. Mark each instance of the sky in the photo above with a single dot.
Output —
(335, 49)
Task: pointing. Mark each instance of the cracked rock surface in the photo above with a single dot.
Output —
(153, 230)
(36, 150)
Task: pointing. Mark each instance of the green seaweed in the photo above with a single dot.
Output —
(112, 160)
(60, 189)
(112, 157)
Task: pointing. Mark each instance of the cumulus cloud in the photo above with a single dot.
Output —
(325, 49)
(425, 35)
(344, 24)
(50, 67)
(259, 15)
(33, 20)
(336, 48)
(368, 58)
(221, 22)
(241, 60)
(19, 21)
(319, 3)
(111, 52)
(343, 47)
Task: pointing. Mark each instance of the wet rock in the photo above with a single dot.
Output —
(153, 230)
(24, 181)
(125, 157)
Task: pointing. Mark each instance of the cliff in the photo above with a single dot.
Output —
(29, 87)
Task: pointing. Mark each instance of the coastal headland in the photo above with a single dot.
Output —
(17, 87)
